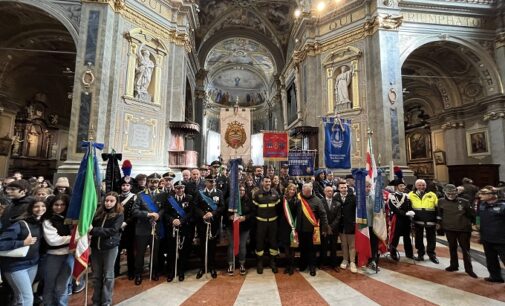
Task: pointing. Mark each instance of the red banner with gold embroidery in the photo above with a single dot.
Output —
(275, 146)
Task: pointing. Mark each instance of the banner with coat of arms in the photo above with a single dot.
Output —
(275, 146)
(235, 133)
(337, 143)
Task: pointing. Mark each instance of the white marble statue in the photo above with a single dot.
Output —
(143, 73)
(342, 82)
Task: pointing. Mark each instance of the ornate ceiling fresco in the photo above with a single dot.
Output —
(239, 68)
(271, 18)
(243, 68)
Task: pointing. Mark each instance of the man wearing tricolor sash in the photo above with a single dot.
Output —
(311, 220)
(147, 211)
(208, 212)
(178, 211)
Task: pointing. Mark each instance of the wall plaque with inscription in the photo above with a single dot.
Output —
(141, 136)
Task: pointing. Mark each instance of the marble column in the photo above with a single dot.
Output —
(455, 145)
(496, 128)
(96, 49)
(385, 102)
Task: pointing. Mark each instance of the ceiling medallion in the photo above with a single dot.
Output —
(242, 3)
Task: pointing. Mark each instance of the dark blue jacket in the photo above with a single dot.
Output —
(492, 222)
(13, 237)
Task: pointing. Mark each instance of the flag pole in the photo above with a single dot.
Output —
(86, 287)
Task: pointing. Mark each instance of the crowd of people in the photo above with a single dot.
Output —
(167, 220)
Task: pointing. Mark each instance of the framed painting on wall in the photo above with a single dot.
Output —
(477, 142)
(439, 157)
(419, 146)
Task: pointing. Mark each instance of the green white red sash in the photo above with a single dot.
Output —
(292, 222)
(309, 214)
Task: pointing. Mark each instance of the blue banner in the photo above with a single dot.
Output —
(301, 163)
(234, 199)
(337, 143)
(379, 185)
(360, 193)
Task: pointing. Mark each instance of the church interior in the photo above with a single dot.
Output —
(427, 83)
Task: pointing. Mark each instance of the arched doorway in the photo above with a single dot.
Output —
(38, 55)
(446, 84)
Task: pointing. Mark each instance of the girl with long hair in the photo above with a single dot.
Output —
(20, 272)
(59, 261)
(105, 238)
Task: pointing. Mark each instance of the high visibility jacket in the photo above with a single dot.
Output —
(425, 207)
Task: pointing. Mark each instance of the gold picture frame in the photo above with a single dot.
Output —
(419, 146)
(477, 142)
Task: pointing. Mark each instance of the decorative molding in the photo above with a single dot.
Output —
(493, 116)
(453, 125)
(500, 40)
(383, 21)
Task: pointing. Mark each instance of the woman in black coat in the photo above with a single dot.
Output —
(106, 235)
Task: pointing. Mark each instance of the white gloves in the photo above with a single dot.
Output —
(410, 213)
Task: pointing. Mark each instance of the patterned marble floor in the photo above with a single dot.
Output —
(404, 283)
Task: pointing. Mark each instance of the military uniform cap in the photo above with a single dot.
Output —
(153, 177)
(127, 180)
(215, 163)
(285, 165)
(450, 188)
(169, 174)
(179, 184)
(396, 182)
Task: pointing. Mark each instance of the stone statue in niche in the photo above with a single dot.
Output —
(342, 82)
(143, 74)
(16, 144)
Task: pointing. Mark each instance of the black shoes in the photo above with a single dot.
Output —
(230, 270)
(493, 280)
(471, 274)
(131, 277)
(138, 280)
(312, 271)
(199, 274)
(156, 277)
(181, 277)
(434, 260)
(419, 258)
(170, 278)
(243, 271)
(451, 269)
(259, 265)
(213, 273)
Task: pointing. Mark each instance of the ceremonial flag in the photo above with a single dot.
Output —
(362, 234)
(235, 133)
(82, 207)
(275, 146)
(375, 177)
(234, 203)
(337, 143)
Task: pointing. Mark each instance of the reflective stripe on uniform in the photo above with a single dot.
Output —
(274, 252)
(425, 223)
(266, 219)
(265, 205)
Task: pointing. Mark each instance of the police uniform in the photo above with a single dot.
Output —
(266, 203)
(202, 208)
(144, 227)
(182, 208)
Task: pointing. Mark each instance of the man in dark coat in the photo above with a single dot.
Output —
(492, 231)
(311, 214)
(208, 212)
(178, 213)
(148, 212)
(347, 226)
(456, 216)
(17, 192)
(333, 210)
